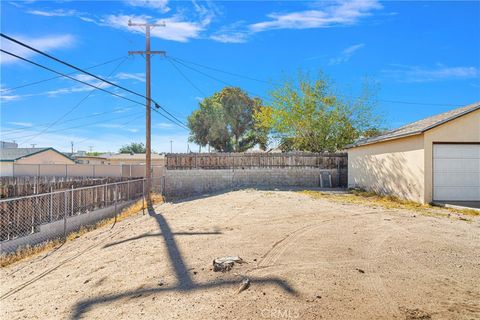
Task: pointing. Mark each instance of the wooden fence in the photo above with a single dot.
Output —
(24, 186)
(255, 160)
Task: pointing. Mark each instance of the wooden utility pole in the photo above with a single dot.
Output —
(148, 127)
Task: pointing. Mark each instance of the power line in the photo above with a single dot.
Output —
(121, 126)
(215, 78)
(77, 105)
(74, 127)
(186, 78)
(276, 83)
(179, 123)
(85, 72)
(93, 86)
(223, 71)
(72, 66)
(69, 77)
(56, 77)
(9, 131)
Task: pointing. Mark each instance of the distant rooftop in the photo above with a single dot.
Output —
(419, 126)
(128, 156)
(13, 154)
(8, 145)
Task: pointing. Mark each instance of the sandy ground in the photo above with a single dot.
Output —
(307, 259)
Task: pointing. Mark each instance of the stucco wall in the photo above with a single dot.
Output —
(45, 157)
(6, 169)
(393, 167)
(463, 129)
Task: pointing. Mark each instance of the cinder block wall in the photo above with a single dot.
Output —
(184, 183)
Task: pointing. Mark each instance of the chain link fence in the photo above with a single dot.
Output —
(27, 215)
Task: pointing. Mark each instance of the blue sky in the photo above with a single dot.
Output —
(423, 52)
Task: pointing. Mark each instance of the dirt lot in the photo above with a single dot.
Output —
(307, 259)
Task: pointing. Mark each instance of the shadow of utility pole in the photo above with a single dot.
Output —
(184, 280)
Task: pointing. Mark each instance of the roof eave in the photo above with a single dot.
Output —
(416, 132)
(386, 139)
(451, 118)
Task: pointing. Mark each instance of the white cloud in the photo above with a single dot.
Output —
(86, 19)
(440, 72)
(109, 125)
(346, 54)
(161, 5)
(54, 13)
(46, 43)
(176, 29)
(78, 88)
(139, 76)
(21, 124)
(234, 37)
(340, 13)
(164, 125)
(11, 97)
(232, 33)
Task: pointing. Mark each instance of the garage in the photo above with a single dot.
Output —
(432, 160)
(456, 172)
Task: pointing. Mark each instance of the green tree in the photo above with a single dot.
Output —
(134, 147)
(307, 115)
(226, 122)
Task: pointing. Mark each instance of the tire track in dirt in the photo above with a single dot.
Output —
(279, 247)
(385, 305)
(272, 255)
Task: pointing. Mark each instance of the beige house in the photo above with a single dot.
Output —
(436, 159)
(22, 157)
(33, 156)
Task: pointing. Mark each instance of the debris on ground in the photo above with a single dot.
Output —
(244, 286)
(225, 264)
(416, 314)
(360, 270)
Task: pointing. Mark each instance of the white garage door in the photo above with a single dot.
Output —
(456, 172)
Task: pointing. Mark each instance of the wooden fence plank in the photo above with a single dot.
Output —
(255, 160)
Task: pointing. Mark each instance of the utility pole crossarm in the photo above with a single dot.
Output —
(133, 24)
(163, 53)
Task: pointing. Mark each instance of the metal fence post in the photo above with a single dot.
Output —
(50, 209)
(105, 196)
(116, 196)
(143, 196)
(338, 174)
(33, 219)
(71, 204)
(65, 216)
(128, 190)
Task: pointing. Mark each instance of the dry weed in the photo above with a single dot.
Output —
(388, 202)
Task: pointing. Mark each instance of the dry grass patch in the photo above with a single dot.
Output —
(31, 251)
(388, 202)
